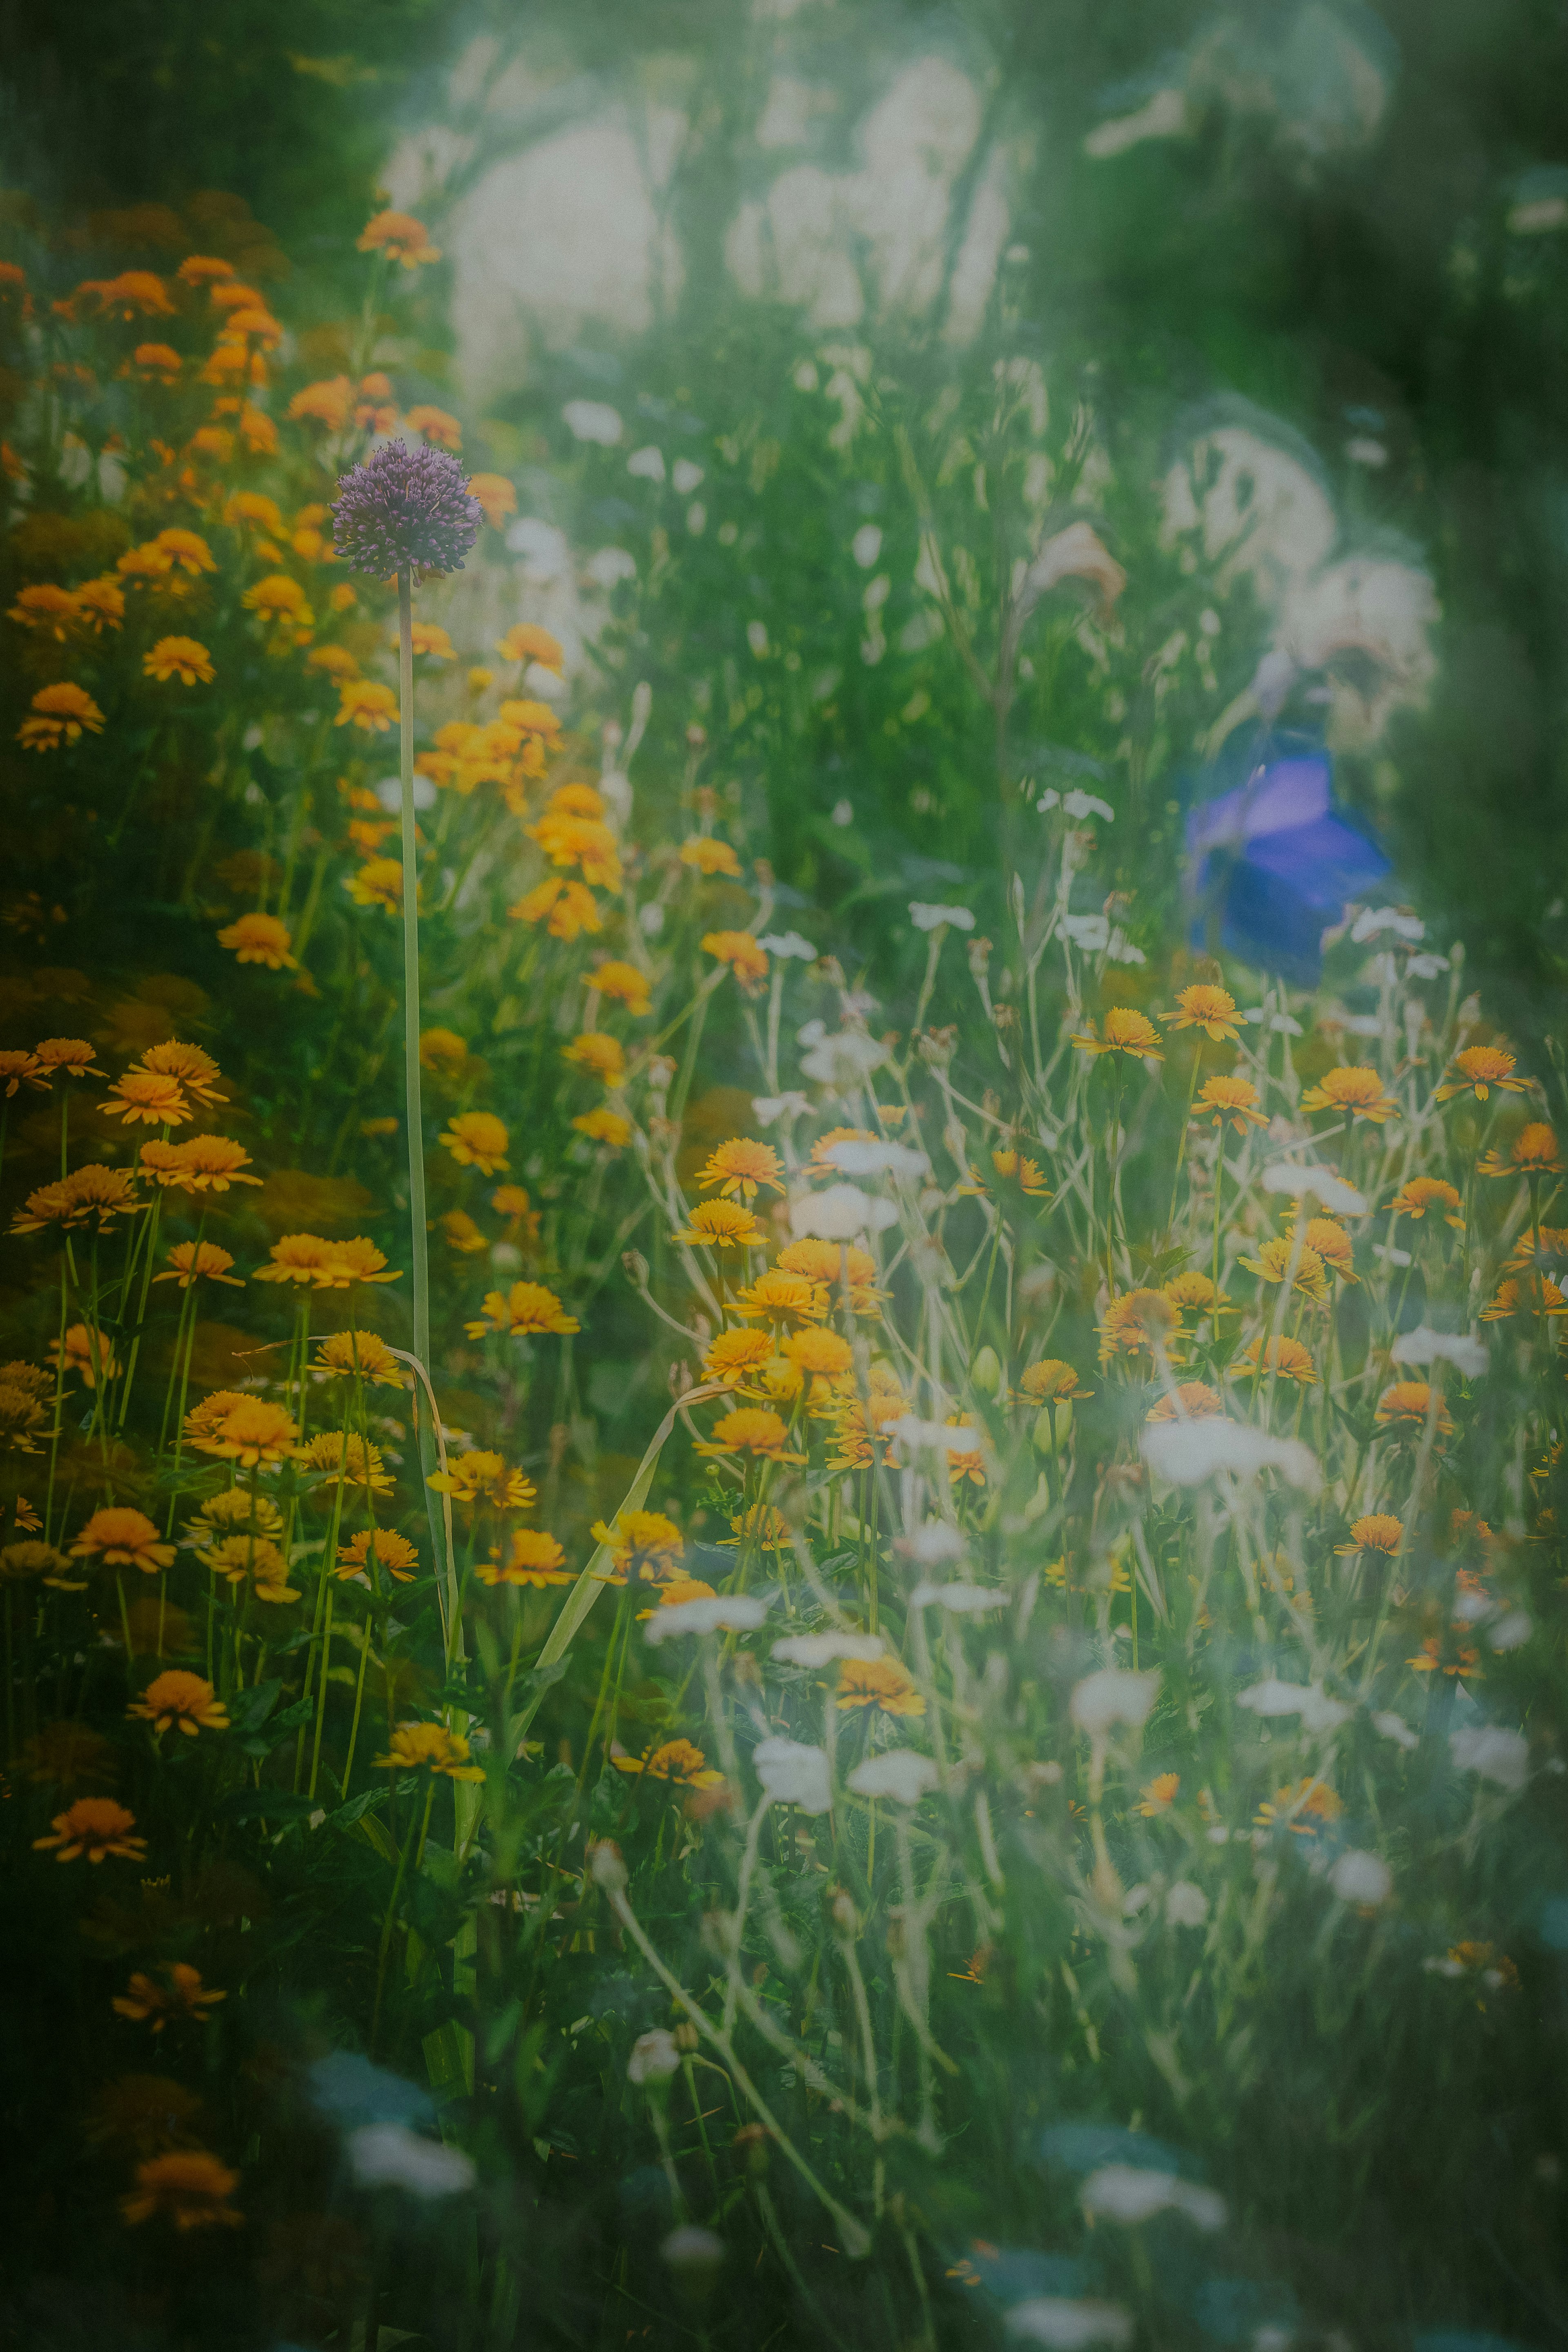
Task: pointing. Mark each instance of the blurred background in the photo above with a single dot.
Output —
(1283, 285)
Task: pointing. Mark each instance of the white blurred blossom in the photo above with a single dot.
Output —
(1113, 1696)
(390, 2155)
(791, 1774)
(839, 1213)
(1126, 2192)
(931, 918)
(899, 1773)
(654, 2059)
(735, 1612)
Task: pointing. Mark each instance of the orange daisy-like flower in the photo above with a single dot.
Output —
(821, 1165)
(535, 1559)
(1533, 1152)
(259, 938)
(610, 1128)
(1193, 1401)
(1403, 1408)
(1377, 1531)
(182, 1995)
(598, 1053)
(483, 1477)
(624, 984)
(363, 704)
(830, 1262)
(1273, 1262)
(442, 430)
(52, 610)
(525, 641)
(970, 1464)
(187, 2185)
(862, 1427)
(644, 1546)
(94, 1826)
(777, 1296)
(91, 1192)
(183, 1698)
(1423, 1193)
(740, 1166)
(1126, 1031)
(1011, 1168)
(677, 1760)
(180, 657)
(148, 1098)
(1286, 1358)
(1052, 1381)
(1194, 1291)
(1235, 1099)
(1303, 1807)
(1138, 1322)
(1539, 1295)
(745, 955)
(1211, 1009)
(383, 1546)
(881, 1683)
(430, 1748)
(329, 402)
(734, 1354)
(378, 883)
(527, 1310)
(580, 840)
(347, 1460)
(572, 910)
(194, 1069)
(100, 604)
(192, 1262)
(1332, 1243)
(710, 857)
(401, 239)
(1355, 1088)
(18, 1068)
(71, 1055)
(134, 294)
(60, 714)
(155, 363)
(362, 1355)
(478, 1139)
(122, 1537)
(1480, 1068)
(253, 1434)
(1159, 1796)
(755, 1431)
(186, 551)
(722, 1225)
(203, 1163)
(816, 1354)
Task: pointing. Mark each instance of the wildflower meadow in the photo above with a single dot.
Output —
(764, 1586)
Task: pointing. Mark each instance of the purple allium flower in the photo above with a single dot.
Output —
(406, 509)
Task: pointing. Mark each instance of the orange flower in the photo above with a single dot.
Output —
(1423, 1193)
(94, 1826)
(134, 294)
(1194, 1290)
(379, 883)
(1051, 1381)
(204, 269)
(527, 1310)
(299, 1257)
(122, 1537)
(188, 2186)
(259, 938)
(476, 1139)
(881, 1683)
(401, 238)
(462, 1234)
(722, 1225)
(1273, 1261)
(52, 610)
(1193, 1401)
(180, 657)
(644, 1546)
(329, 403)
(147, 1096)
(779, 1296)
(1332, 1243)
(1232, 1098)
(183, 1698)
(392, 1552)
(1404, 1407)
(1211, 1009)
(203, 1163)
(525, 641)
(819, 1355)
(734, 1354)
(1139, 1320)
(361, 703)
(252, 1433)
(483, 1477)
(1481, 1068)
(183, 1995)
(624, 984)
(436, 425)
(1354, 1088)
(1377, 1531)
(186, 550)
(1287, 1359)
(194, 1069)
(17, 1067)
(71, 1055)
(710, 857)
(496, 497)
(192, 1262)
(155, 363)
(580, 840)
(675, 1760)
(744, 954)
(755, 1431)
(1533, 1152)
(1160, 1795)
(611, 1127)
(1126, 1031)
(60, 715)
(970, 1464)
(572, 910)
(535, 1559)
(598, 1053)
(1300, 1807)
(362, 1355)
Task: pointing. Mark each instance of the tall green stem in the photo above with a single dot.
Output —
(411, 973)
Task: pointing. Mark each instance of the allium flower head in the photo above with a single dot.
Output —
(405, 510)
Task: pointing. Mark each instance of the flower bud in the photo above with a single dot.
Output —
(606, 1867)
(985, 1372)
(1057, 1416)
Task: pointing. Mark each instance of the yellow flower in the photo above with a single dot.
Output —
(147, 1097)
(1272, 1264)
(187, 551)
(1332, 1243)
(180, 657)
(480, 1478)
(378, 884)
(91, 1191)
(203, 1163)
(1193, 1401)
(829, 1262)
(259, 938)
(135, 293)
(611, 1127)
(1013, 1168)
(1211, 1009)
(527, 1309)
(94, 1826)
(254, 1435)
(1300, 1807)
(584, 842)
(52, 610)
(535, 1559)
(1376, 1531)
(18, 1067)
(643, 1545)
(675, 1760)
(100, 604)
(881, 1683)
(300, 1257)
(1533, 1152)
(1139, 1320)
(122, 1537)
(60, 715)
(572, 910)
(391, 1551)
(710, 857)
(1052, 1381)
(1285, 1356)
(1126, 1031)
(73, 1056)
(401, 238)
(753, 1430)
(734, 1354)
(1355, 1088)
(1481, 1068)
(598, 1053)
(1403, 1407)
(1423, 1193)
(722, 1225)
(253, 508)
(1159, 1796)
(745, 955)
(371, 707)
(1232, 1098)
(438, 428)
(192, 1262)
(462, 1234)
(189, 1065)
(183, 1698)
(88, 1354)
(333, 661)
(817, 1356)
(253, 1557)
(348, 1461)
(740, 1166)
(430, 1747)
(777, 1296)
(182, 1995)
(432, 641)
(187, 2185)
(624, 984)
(525, 641)
(1194, 1290)
(476, 1139)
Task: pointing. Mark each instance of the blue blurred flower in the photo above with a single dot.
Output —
(1274, 861)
